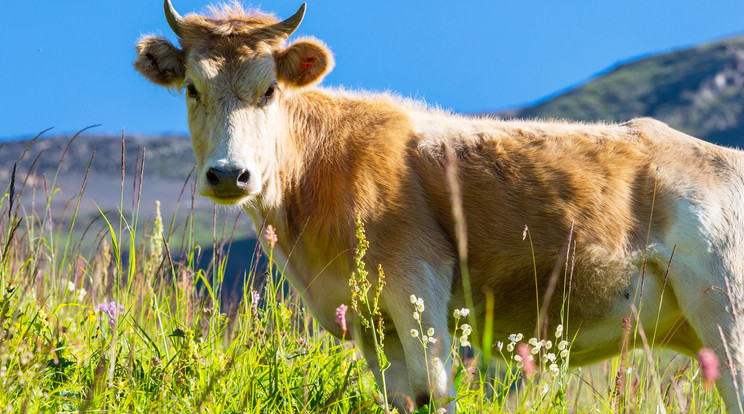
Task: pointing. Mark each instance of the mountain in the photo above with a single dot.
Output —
(699, 90)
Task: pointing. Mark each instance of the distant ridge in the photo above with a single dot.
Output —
(699, 90)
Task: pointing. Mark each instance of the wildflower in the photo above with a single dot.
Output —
(523, 351)
(548, 344)
(414, 333)
(554, 369)
(564, 353)
(254, 301)
(457, 314)
(112, 309)
(430, 331)
(562, 345)
(464, 341)
(524, 232)
(532, 341)
(466, 329)
(271, 236)
(535, 350)
(464, 312)
(709, 366)
(510, 347)
(341, 316)
(550, 357)
(416, 315)
(432, 340)
(413, 299)
(81, 294)
(626, 325)
(70, 286)
(559, 331)
(499, 345)
(517, 358)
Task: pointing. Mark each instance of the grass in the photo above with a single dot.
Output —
(92, 330)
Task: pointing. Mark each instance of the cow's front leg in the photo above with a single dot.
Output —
(420, 319)
(397, 385)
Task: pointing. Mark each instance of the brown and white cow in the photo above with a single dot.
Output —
(306, 159)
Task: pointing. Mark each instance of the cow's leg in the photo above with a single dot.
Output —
(702, 295)
(399, 393)
(430, 366)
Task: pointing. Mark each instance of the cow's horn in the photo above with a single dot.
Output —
(174, 19)
(290, 25)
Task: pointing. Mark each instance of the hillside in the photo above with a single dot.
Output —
(699, 90)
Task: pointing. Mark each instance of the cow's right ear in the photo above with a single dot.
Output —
(159, 61)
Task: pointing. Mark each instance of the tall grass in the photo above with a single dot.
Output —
(134, 325)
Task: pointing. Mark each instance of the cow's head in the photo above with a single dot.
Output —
(236, 70)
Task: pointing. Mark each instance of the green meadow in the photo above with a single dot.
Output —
(122, 316)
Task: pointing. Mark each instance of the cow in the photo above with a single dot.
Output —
(652, 219)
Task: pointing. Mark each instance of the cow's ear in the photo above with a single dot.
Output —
(159, 61)
(304, 62)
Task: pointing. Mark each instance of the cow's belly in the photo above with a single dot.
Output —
(594, 324)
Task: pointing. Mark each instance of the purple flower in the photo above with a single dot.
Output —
(254, 303)
(271, 236)
(112, 309)
(709, 366)
(341, 316)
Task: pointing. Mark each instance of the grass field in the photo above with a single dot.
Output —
(126, 326)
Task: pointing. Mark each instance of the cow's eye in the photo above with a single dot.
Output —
(269, 92)
(191, 91)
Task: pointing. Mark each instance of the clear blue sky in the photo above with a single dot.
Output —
(68, 64)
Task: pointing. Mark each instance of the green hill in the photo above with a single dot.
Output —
(699, 90)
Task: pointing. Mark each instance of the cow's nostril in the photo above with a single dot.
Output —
(244, 177)
(212, 177)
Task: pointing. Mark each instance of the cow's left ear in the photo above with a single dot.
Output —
(304, 62)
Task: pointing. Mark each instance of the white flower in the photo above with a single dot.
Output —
(420, 305)
(416, 315)
(424, 338)
(510, 347)
(81, 294)
(519, 337)
(432, 340)
(413, 299)
(564, 353)
(457, 314)
(517, 358)
(430, 331)
(414, 333)
(532, 341)
(499, 345)
(464, 312)
(513, 337)
(70, 286)
(464, 341)
(548, 345)
(562, 345)
(466, 329)
(629, 371)
(535, 350)
(559, 331)
(550, 357)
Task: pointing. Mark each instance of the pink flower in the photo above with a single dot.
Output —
(523, 350)
(271, 236)
(341, 316)
(709, 366)
(112, 309)
(626, 325)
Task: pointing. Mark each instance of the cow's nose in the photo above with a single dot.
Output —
(228, 182)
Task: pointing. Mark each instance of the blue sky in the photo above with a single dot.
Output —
(68, 64)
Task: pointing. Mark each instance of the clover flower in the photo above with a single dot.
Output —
(341, 316)
(708, 366)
